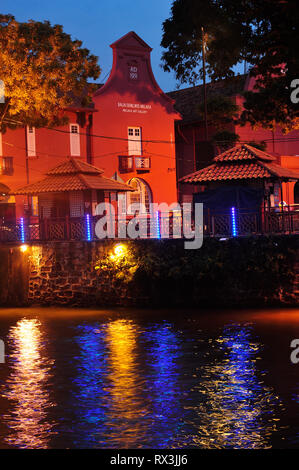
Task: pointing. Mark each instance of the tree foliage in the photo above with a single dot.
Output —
(43, 69)
(264, 33)
(221, 111)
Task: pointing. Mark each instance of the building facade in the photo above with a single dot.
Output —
(194, 152)
(128, 132)
(137, 119)
(135, 133)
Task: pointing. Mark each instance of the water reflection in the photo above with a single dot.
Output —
(167, 413)
(136, 383)
(28, 387)
(236, 409)
(89, 396)
(129, 405)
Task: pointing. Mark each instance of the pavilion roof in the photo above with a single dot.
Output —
(239, 163)
(73, 175)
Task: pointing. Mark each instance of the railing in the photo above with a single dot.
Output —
(131, 163)
(246, 223)
(157, 226)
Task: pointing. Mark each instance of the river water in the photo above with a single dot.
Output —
(142, 379)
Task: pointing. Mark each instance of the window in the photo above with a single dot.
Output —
(1, 150)
(142, 194)
(7, 166)
(31, 148)
(126, 164)
(74, 140)
(134, 141)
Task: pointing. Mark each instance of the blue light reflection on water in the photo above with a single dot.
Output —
(88, 391)
(167, 413)
(123, 383)
(237, 409)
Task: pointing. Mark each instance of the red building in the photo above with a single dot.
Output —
(138, 120)
(128, 132)
(194, 153)
(135, 133)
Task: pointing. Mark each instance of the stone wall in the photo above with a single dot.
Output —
(64, 274)
(238, 272)
(14, 276)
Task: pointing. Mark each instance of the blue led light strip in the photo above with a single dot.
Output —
(88, 228)
(22, 230)
(158, 224)
(234, 222)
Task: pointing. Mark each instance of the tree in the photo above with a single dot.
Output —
(43, 70)
(264, 33)
(221, 111)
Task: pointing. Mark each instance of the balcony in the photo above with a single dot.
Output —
(6, 166)
(134, 163)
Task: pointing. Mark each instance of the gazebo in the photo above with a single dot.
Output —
(67, 199)
(240, 186)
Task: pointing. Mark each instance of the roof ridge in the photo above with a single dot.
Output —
(76, 166)
(257, 152)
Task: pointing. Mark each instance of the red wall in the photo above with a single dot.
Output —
(153, 112)
(52, 147)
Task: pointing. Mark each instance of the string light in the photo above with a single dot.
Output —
(234, 222)
(22, 230)
(88, 228)
(158, 227)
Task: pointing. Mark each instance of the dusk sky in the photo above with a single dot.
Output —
(100, 23)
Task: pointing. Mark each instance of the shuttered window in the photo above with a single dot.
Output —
(134, 141)
(31, 147)
(74, 140)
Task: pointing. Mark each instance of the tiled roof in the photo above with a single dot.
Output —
(227, 172)
(187, 100)
(243, 152)
(74, 166)
(241, 162)
(73, 175)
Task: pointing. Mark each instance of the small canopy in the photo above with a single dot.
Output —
(73, 175)
(239, 163)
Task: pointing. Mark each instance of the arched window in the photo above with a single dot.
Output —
(142, 194)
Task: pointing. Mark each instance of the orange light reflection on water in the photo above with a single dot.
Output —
(28, 387)
(125, 378)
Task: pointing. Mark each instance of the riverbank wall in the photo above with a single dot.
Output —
(239, 272)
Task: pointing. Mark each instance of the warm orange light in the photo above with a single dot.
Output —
(119, 251)
(24, 248)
